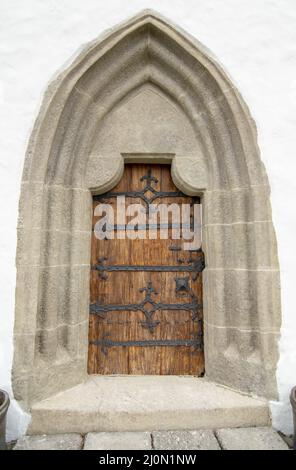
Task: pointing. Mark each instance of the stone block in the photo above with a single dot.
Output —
(21, 381)
(70, 336)
(243, 245)
(247, 299)
(242, 359)
(46, 341)
(56, 247)
(185, 440)
(27, 293)
(31, 205)
(24, 351)
(118, 441)
(238, 205)
(250, 345)
(250, 439)
(83, 338)
(81, 209)
(29, 244)
(50, 442)
(52, 376)
(80, 247)
(63, 295)
(54, 291)
(104, 171)
(67, 208)
(58, 206)
(189, 173)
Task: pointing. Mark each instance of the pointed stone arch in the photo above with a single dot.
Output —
(145, 91)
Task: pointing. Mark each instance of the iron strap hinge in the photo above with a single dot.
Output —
(148, 307)
(196, 267)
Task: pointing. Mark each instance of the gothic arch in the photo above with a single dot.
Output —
(144, 91)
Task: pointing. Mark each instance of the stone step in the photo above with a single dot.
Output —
(146, 403)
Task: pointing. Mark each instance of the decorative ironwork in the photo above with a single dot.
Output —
(182, 285)
(148, 306)
(196, 266)
(190, 259)
(106, 343)
(102, 274)
(149, 178)
(142, 194)
(149, 290)
(175, 248)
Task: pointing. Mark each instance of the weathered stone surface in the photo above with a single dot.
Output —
(244, 245)
(58, 203)
(189, 173)
(244, 343)
(233, 353)
(104, 172)
(250, 439)
(29, 241)
(27, 292)
(241, 204)
(146, 403)
(80, 247)
(238, 310)
(56, 308)
(185, 440)
(55, 247)
(166, 130)
(81, 209)
(51, 376)
(118, 441)
(30, 205)
(24, 350)
(50, 442)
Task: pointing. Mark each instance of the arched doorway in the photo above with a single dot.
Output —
(145, 92)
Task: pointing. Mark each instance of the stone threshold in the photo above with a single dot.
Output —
(146, 403)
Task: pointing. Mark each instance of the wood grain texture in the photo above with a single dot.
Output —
(124, 288)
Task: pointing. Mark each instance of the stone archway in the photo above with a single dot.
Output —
(144, 92)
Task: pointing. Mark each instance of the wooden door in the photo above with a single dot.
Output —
(146, 294)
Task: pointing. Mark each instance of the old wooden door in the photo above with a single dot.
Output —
(146, 294)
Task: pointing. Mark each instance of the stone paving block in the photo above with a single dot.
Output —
(118, 441)
(250, 439)
(185, 440)
(50, 442)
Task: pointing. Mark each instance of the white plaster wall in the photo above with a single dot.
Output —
(256, 43)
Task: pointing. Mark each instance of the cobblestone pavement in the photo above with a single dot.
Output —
(223, 439)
